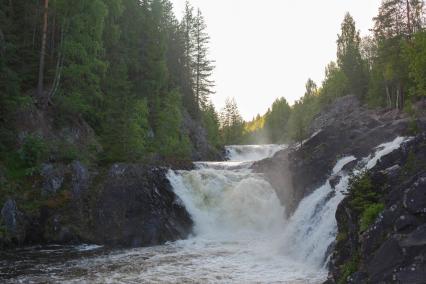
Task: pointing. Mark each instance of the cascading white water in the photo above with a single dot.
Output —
(240, 234)
(235, 204)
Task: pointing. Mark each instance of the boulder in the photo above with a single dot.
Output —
(136, 206)
(415, 196)
(14, 221)
(53, 178)
(415, 239)
(80, 179)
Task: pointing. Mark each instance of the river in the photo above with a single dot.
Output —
(241, 234)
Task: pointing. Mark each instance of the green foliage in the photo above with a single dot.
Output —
(365, 199)
(276, 121)
(211, 124)
(232, 124)
(170, 140)
(415, 56)
(125, 133)
(370, 214)
(362, 191)
(334, 85)
(349, 57)
(349, 268)
(303, 112)
(33, 151)
(82, 50)
(342, 236)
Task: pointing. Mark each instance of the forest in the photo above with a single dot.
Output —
(138, 74)
(129, 68)
(386, 69)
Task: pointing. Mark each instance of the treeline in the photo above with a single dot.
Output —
(386, 69)
(130, 68)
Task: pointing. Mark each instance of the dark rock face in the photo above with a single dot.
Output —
(343, 129)
(137, 206)
(80, 178)
(53, 178)
(393, 248)
(13, 221)
(127, 205)
(202, 150)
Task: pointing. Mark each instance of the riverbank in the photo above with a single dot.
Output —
(57, 188)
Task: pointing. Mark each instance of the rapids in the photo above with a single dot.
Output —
(240, 232)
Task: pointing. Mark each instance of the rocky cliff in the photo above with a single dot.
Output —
(391, 248)
(72, 198)
(382, 222)
(126, 205)
(344, 128)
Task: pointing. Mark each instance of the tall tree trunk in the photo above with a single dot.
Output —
(388, 96)
(408, 18)
(398, 91)
(401, 96)
(40, 88)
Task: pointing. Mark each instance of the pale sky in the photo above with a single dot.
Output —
(268, 49)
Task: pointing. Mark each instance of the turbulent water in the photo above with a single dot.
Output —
(240, 234)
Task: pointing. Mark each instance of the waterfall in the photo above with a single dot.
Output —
(229, 202)
(241, 234)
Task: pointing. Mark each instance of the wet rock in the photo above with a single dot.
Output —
(392, 172)
(416, 238)
(406, 222)
(358, 278)
(387, 257)
(13, 221)
(350, 166)
(335, 181)
(136, 206)
(53, 178)
(415, 197)
(80, 178)
(9, 213)
(117, 170)
(413, 274)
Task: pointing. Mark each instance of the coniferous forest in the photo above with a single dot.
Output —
(130, 69)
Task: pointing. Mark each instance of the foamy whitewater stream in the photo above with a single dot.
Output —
(240, 233)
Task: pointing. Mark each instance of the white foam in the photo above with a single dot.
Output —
(241, 235)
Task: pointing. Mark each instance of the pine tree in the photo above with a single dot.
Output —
(398, 18)
(349, 57)
(83, 65)
(203, 67)
(395, 24)
(187, 32)
(276, 120)
(231, 123)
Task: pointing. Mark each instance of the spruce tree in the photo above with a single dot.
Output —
(349, 57)
(203, 66)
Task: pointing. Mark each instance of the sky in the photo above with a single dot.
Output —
(268, 49)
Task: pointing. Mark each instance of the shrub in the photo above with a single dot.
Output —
(370, 214)
(33, 151)
(349, 268)
(362, 191)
